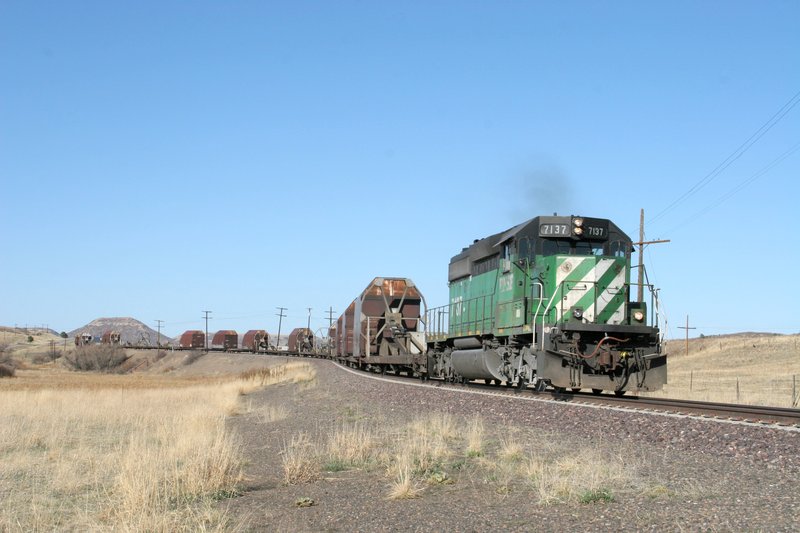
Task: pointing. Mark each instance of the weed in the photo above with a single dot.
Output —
(403, 486)
(658, 492)
(300, 464)
(440, 477)
(474, 436)
(335, 465)
(597, 495)
(304, 502)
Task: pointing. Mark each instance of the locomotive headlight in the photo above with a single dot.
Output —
(578, 222)
(577, 231)
(577, 313)
(638, 316)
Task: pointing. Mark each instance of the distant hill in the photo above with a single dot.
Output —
(131, 330)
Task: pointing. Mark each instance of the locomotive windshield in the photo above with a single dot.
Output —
(566, 247)
(563, 247)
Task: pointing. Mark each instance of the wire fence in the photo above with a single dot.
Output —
(774, 391)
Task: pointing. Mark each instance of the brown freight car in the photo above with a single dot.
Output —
(110, 337)
(301, 340)
(255, 340)
(84, 339)
(384, 326)
(225, 339)
(193, 339)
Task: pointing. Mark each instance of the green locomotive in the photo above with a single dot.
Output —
(548, 302)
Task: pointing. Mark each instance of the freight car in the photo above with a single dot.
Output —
(225, 339)
(256, 340)
(301, 340)
(192, 339)
(545, 303)
(84, 339)
(382, 329)
(110, 337)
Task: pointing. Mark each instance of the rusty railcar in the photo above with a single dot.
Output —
(225, 339)
(84, 339)
(301, 340)
(255, 340)
(193, 338)
(110, 337)
(384, 327)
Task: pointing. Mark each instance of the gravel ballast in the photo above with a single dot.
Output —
(689, 474)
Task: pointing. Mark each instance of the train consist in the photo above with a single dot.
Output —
(545, 303)
(548, 302)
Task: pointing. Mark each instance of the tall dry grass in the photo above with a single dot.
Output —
(437, 449)
(749, 369)
(130, 459)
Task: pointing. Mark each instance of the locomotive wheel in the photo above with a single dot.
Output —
(619, 393)
(597, 392)
(576, 389)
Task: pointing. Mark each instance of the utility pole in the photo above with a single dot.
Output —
(330, 318)
(641, 244)
(308, 327)
(158, 343)
(687, 328)
(206, 317)
(330, 325)
(280, 320)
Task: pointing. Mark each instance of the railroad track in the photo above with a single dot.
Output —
(735, 412)
(773, 417)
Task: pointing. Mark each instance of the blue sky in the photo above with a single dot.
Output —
(158, 159)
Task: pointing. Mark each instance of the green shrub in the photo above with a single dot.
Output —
(597, 495)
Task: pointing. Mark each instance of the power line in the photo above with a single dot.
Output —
(736, 154)
(785, 155)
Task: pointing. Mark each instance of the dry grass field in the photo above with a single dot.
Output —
(749, 368)
(425, 452)
(155, 449)
(83, 451)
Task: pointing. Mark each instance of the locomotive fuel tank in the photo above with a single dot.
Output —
(478, 363)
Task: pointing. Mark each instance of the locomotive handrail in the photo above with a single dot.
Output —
(476, 307)
(547, 310)
(539, 305)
